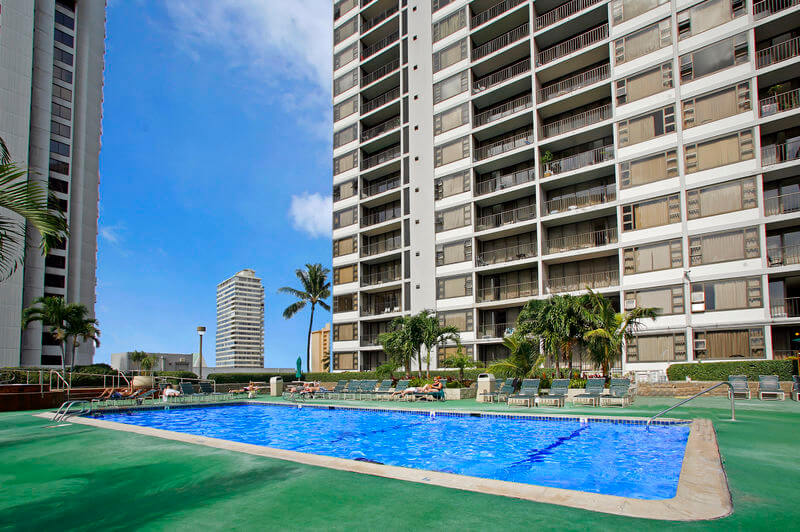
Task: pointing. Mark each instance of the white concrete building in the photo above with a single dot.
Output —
(240, 321)
(51, 92)
(488, 152)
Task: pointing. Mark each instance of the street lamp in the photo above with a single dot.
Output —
(201, 331)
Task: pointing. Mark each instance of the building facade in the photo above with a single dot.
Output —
(487, 153)
(321, 349)
(164, 361)
(51, 76)
(240, 321)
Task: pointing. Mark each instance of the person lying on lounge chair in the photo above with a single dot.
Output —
(130, 392)
(435, 387)
(169, 391)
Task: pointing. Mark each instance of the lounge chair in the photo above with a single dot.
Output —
(738, 387)
(382, 390)
(506, 389)
(619, 393)
(559, 389)
(593, 390)
(334, 393)
(367, 389)
(352, 388)
(401, 387)
(527, 393)
(795, 388)
(771, 386)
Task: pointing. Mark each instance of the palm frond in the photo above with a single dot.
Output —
(293, 309)
(293, 291)
(5, 155)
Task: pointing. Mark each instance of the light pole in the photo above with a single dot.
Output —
(201, 331)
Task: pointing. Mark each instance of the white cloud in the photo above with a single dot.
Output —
(312, 214)
(111, 233)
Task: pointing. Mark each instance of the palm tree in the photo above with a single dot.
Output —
(461, 361)
(137, 357)
(401, 341)
(559, 322)
(29, 200)
(435, 334)
(315, 289)
(81, 328)
(524, 358)
(609, 329)
(54, 315)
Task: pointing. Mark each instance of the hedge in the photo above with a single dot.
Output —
(221, 378)
(719, 371)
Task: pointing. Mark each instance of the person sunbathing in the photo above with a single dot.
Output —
(169, 391)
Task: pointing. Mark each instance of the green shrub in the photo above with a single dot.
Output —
(720, 371)
(177, 374)
(469, 374)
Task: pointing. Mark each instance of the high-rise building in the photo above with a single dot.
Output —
(51, 91)
(487, 153)
(321, 349)
(240, 321)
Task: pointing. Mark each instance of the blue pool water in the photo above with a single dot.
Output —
(609, 458)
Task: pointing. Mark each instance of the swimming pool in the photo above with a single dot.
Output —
(610, 458)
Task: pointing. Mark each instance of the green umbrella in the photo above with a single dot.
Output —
(299, 368)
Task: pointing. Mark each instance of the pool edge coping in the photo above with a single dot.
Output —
(702, 492)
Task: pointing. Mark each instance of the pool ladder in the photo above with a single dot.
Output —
(728, 384)
(64, 412)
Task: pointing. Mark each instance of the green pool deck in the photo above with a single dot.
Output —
(75, 477)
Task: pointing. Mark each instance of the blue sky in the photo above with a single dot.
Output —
(216, 156)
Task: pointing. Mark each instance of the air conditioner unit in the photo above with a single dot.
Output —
(699, 345)
(630, 304)
(698, 297)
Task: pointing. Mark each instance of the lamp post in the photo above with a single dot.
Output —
(201, 331)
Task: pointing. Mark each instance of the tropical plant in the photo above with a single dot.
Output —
(547, 156)
(137, 357)
(401, 341)
(81, 328)
(435, 334)
(315, 288)
(610, 330)
(461, 361)
(524, 359)
(54, 314)
(559, 322)
(386, 371)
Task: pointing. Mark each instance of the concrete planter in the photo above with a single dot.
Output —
(142, 381)
(454, 394)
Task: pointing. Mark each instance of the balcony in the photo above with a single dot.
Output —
(780, 153)
(370, 23)
(783, 256)
(385, 70)
(493, 12)
(376, 47)
(379, 186)
(503, 110)
(507, 291)
(574, 283)
(787, 307)
(499, 256)
(501, 76)
(386, 304)
(595, 196)
(384, 215)
(495, 330)
(766, 8)
(380, 157)
(509, 180)
(500, 219)
(380, 129)
(572, 45)
(593, 239)
(370, 339)
(380, 101)
(563, 11)
(783, 204)
(577, 121)
(578, 81)
(785, 101)
(381, 277)
(491, 148)
(778, 53)
(383, 246)
(498, 43)
(578, 161)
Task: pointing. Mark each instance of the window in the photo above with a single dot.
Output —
(707, 15)
(343, 7)
(344, 57)
(730, 294)
(577, 275)
(713, 58)
(643, 42)
(450, 55)
(345, 246)
(457, 286)
(54, 281)
(725, 246)
(345, 30)
(453, 252)
(736, 343)
(346, 162)
(719, 199)
(58, 185)
(668, 300)
(63, 56)
(345, 274)
(509, 285)
(63, 38)
(450, 87)
(451, 184)
(345, 361)
(345, 303)
(345, 217)
(346, 108)
(59, 148)
(451, 152)
(451, 119)
(436, 5)
(719, 152)
(345, 136)
(62, 74)
(57, 128)
(62, 93)
(61, 111)
(581, 235)
(449, 25)
(345, 82)
(345, 190)
(623, 10)
(648, 169)
(515, 247)
(343, 332)
(59, 167)
(644, 84)
(461, 319)
(717, 105)
(656, 348)
(453, 218)
(652, 213)
(443, 353)
(66, 4)
(646, 127)
(55, 261)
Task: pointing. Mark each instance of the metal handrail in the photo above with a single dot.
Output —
(581, 281)
(384, 246)
(766, 8)
(503, 145)
(785, 101)
(500, 111)
(508, 291)
(588, 240)
(786, 307)
(379, 73)
(500, 42)
(381, 157)
(782, 204)
(570, 46)
(783, 255)
(377, 19)
(577, 200)
(779, 153)
(505, 181)
(520, 214)
(61, 378)
(380, 217)
(380, 129)
(63, 410)
(584, 79)
(381, 100)
(495, 330)
(501, 76)
(376, 47)
(379, 186)
(576, 121)
(579, 160)
(495, 11)
(380, 277)
(777, 53)
(563, 11)
(507, 254)
(673, 407)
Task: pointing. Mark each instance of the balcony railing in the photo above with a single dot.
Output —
(495, 330)
(783, 256)
(786, 101)
(788, 307)
(563, 11)
(383, 71)
(500, 42)
(380, 186)
(387, 276)
(380, 217)
(499, 256)
(592, 239)
(495, 11)
(780, 153)
(503, 145)
(512, 216)
(766, 8)
(579, 160)
(382, 246)
(780, 52)
(369, 340)
(501, 111)
(571, 123)
(573, 283)
(380, 101)
(368, 24)
(501, 76)
(783, 204)
(376, 47)
(377, 309)
(380, 157)
(581, 199)
(508, 291)
(780, 354)
(505, 181)
(380, 129)
(584, 79)
(572, 45)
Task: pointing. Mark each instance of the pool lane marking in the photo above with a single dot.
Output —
(538, 453)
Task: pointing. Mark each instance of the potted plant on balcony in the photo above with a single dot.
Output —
(774, 105)
(547, 156)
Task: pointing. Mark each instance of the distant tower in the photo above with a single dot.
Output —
(240, 321)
